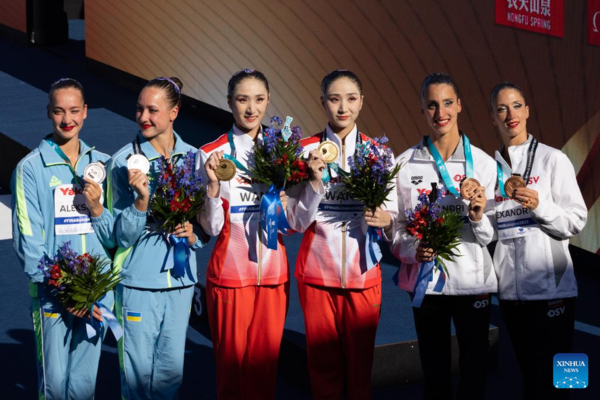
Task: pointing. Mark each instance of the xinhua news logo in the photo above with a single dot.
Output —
(571, 371)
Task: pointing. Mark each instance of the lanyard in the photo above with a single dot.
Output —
(137, 148)
(62, 155)
(530, 157)
(442, 166)
(232, 153)
(338, 170)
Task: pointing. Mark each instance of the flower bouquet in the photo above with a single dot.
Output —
(278, 158)
(80, 282)
(179, 195)
(439, 229)
(278, 163)
(372, 173)
(177, 199)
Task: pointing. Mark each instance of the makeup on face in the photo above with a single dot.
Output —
(342, 104)
(67, 111)
(441, 108)
(248, 104)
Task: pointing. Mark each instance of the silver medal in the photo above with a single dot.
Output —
(138, 161)
(95, 171)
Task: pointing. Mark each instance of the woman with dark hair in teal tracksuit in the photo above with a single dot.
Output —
(47, 177)
(153, 301)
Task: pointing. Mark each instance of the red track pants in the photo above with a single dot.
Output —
(340, 335)
(246, 325)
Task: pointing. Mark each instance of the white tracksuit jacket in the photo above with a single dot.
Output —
(532, 259)
(472, 272)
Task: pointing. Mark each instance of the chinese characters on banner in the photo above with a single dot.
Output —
(542, 16)
(593, 22)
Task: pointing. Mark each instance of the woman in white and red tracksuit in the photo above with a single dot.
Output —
(340, 298)
(246, 282)
(444, 157)
(536, 282)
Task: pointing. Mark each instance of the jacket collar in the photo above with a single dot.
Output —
(422, 152)
(152, 154)
(51, 157)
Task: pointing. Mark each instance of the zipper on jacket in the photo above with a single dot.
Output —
(344, 225)
(259, 254)
(516, 269)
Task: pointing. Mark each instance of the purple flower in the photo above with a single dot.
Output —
(275, 121)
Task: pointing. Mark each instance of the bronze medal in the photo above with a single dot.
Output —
(512, 184)
(226, 170)
(468, 187)
(329, 150)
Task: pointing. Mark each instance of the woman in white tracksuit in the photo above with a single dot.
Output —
(536, 282)
(444, 158)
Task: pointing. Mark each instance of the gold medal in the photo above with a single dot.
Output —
(226, 170)
(468, 187)
(330, 151)
(512, 184)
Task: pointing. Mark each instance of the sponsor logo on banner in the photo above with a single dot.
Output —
(570, 371)
(541, 16)
(593, 22)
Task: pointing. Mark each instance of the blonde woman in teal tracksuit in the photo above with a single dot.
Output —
(67, 360)
(152, 302)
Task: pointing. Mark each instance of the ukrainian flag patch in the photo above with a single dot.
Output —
(133, 316)
(50, 313)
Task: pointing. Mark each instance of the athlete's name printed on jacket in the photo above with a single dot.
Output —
(513, 212)
(337, 195)
(71, 214)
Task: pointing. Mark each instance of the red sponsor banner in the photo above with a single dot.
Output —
(541, 16)
(593, 22)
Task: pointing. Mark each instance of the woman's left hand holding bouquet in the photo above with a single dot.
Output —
(185, 230)
(379, 219)
(81, 313)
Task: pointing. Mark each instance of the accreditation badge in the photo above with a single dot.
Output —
(71, 214)
(456, 204)
(514, 220)
(245, 200)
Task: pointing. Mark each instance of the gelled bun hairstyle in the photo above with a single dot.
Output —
(172, 87)
(65, 83)
(338, 74)
(239, 76)
(500, 87)
(438, 78)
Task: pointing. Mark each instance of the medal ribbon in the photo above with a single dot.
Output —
(442, 166)
(326, 175)
(62, 155)
(501, 180)
(530, 157)
(231, 156)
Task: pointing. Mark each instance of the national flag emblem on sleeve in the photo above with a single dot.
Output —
(48, 313)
